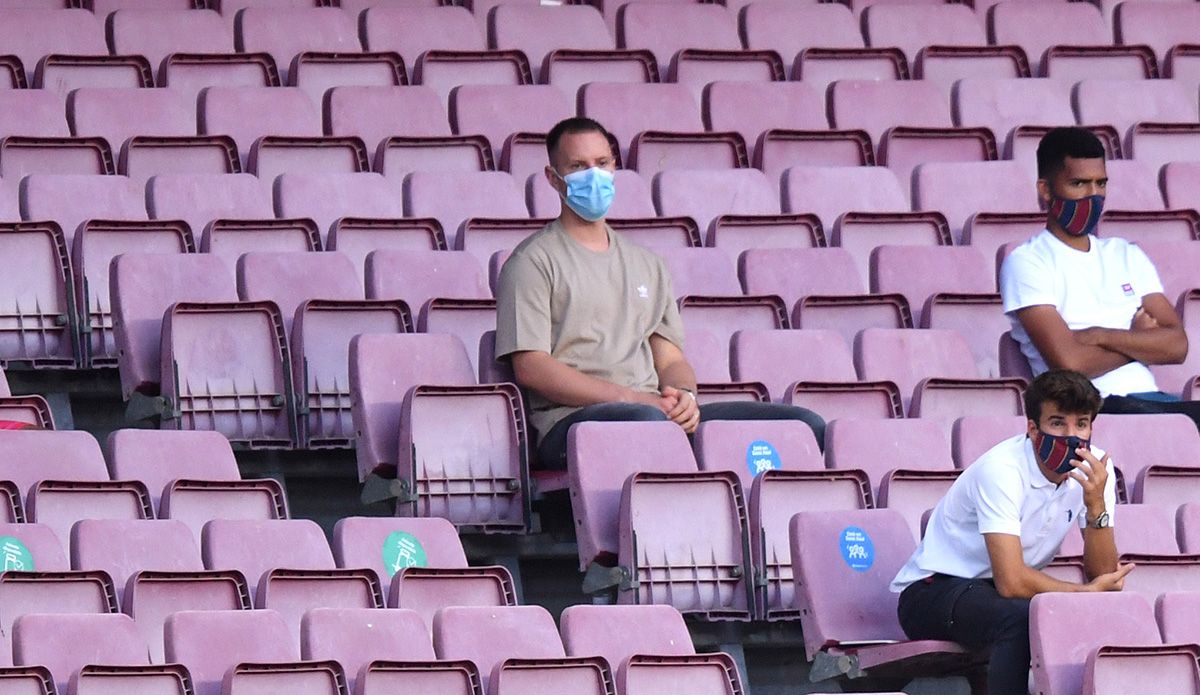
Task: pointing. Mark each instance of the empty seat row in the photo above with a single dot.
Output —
(471, 651)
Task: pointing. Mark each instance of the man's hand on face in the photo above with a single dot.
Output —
(685, 411)
(1092, 475)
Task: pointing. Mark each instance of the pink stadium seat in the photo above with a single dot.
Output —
(1005, 104)
(1162, 27)
(291, 565)
(514, 118)
(70, 200)
(443, 47)
(974, 435)
(1181, 184)
(640, 25)
(483, 443)
(1161, 470)
(292, 35)
(1134, 186)
(329, 199)
(454, 198)
(63, 49)
(35, 138)
(37, 309)
(247, 649)
(156, 31)
(706, 196)
(1042, 28)
(1125, 103)
(201, 199)
(1002, 187)
(849, 615)
(669, 137)
(192, 477)
(831, 191)
(702, 272)
(277, 130)
(756, 356)
(67, 643)
(418, 276)
(916, 27)
(1065, 632)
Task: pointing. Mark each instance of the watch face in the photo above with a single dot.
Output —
(1102, 521)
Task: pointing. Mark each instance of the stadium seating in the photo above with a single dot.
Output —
(1162, 472)
(67, 643)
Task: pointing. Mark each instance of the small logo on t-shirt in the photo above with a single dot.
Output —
(1069, 516)
(1127, 289)
(643, 292)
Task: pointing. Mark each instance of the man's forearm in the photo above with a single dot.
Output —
(678, 374)
(1091, 360)
(559, 382)
(1149, 346)
(1030, 582)
(1099, 551)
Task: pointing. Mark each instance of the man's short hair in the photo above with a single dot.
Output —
(1071, 391)
(1060, 143)
(571, 126)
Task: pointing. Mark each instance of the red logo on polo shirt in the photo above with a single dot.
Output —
(1127, 289)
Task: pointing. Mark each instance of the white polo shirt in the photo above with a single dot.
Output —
(1102, 286)
(1004, 491)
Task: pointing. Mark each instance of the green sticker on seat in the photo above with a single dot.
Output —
(402, 550)
(17, 557)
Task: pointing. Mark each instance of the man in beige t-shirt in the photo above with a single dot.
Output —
(588, 319)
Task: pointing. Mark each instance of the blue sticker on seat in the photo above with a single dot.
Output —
(857, 549)
(761, 456)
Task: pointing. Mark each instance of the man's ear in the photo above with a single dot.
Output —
(553, 179)
(1031, 428)
(1044, 194)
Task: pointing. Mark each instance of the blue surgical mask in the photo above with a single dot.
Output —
(589, 192)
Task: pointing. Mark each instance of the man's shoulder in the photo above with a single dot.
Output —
(545, 240)
(1002, 464)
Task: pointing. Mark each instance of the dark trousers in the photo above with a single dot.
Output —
(552, 452)
(1133, 405)
(972, 613)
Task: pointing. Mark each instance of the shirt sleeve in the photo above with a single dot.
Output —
(998, 503)
(522, 307)
(1145, 275)
(670, 324)
(1024, 281)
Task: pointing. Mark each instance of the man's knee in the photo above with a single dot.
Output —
(1015, 620)
(637, 412)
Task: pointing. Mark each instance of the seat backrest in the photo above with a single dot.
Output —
(28, 456)
(377, 113)
(771, 358)
(919, 272)
(158, 457)
(1132, 185)
(999, 187)
(907, 356)
(254, 547)
(621, 107)
(454, 197)
(667, 28)
(69, 199)
(1121, 103)
(705, 195)
(355, 637)
(830, 191)
(1002, 104)
(619, 632)
(1036, 26)
(1065, 628)
(1159, 25)
(876, 105)
(796, 273)
(210, 642)
(1181, 185)
(419, 275)
(156, 33)
(750, 108)
(392, 544)
(286, 32)
(123, 547)
(487, 635)
(537, 30)
(1136, 442)
(326, 198)
(972, 436)
(32, 548)
(67, 642)
(879, 446)
(700, 271)
(201, 198)
(31, 34)
(32, 113)
(754, 446)
(119, 114)
(1179, 617)
(290, 279)
(248, 113)
(847, 597)
(600, 456)
(498, 111)
(912, 27)
(410, 31)
(790, 27)
(143, 286)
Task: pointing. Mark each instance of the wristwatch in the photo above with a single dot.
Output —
(1100, 521)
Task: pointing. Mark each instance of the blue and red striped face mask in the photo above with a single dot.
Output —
(1058, 452)
(1077, 217)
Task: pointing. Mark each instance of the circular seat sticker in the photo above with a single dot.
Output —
(402, 550)
(857, 549)
(761, 456)
(17, 557)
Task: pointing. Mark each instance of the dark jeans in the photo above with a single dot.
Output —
(552, 452)
(1135, 404)
(972, 613)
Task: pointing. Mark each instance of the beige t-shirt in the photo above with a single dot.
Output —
(594, 311)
